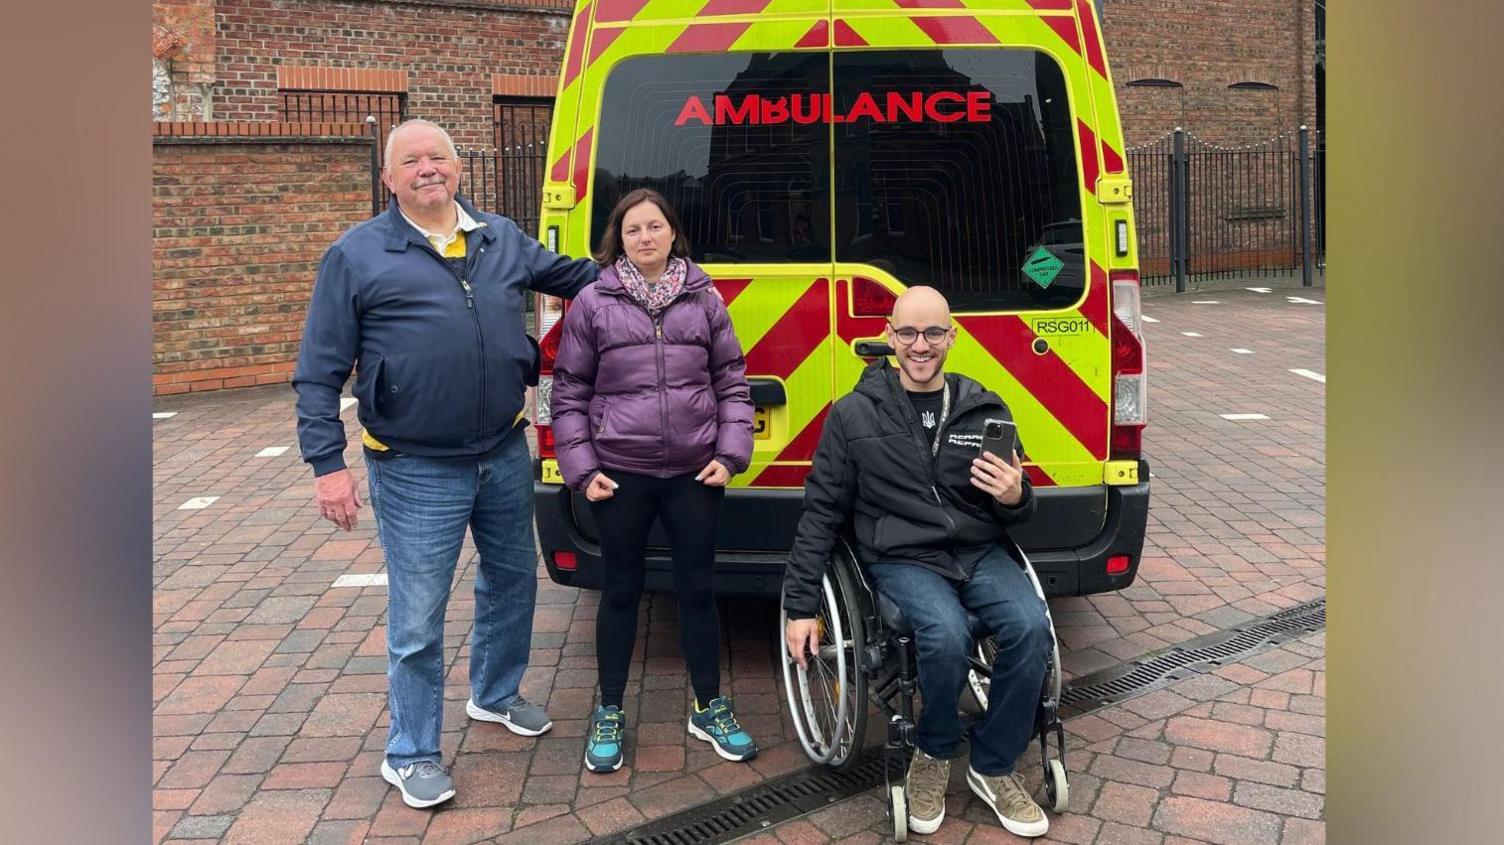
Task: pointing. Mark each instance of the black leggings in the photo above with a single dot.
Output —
(689, 511)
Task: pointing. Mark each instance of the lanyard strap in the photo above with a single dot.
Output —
(940, 424)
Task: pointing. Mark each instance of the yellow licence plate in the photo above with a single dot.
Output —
(550, 472)
(762, 428)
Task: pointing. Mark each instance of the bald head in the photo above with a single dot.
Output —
(921, 307)
(921, 334)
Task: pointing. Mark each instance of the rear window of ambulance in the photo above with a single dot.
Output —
(980, 197)
(692, 128)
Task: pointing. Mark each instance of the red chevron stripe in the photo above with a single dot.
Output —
(1047, 378)
(1093, 39)
(708, 37)
(818, 35)
(1112, 160)
(781, 475)
(731, 288)
(572, 67)
(930, 4)
(560, 171)
(1065, 28)
(618, 10)
(802, 447)
(796, 334)
(955, 30)
(1051, 5)
(1089, 170)
(1095, 306)
(846, 36)
(582, 163)
(1038, 477)
(600, 39)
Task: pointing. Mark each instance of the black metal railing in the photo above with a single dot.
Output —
(1207, 211)
(507, 181)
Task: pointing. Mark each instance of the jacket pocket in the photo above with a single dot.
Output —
(598, 411)
(424, 405)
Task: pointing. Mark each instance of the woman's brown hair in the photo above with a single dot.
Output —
(611, 245)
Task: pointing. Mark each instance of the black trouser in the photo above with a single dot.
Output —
(689, 511)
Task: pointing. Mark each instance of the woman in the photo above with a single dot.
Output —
(651, 417)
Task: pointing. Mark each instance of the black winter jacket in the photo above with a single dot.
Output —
(873, 466)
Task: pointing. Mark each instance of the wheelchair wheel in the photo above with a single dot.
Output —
(828, 698)
(1057, 788)
(898, 806)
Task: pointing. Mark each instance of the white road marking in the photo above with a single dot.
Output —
(198, 503)
(1146, 318)
(1205, 302)
(375, 579)
(1258, 290)
(1300, 300)
(345, 402)
(1191, 334)
(1237, 417)
(1241, 351)
(162, 415)
(272, 452)
(1310, 375)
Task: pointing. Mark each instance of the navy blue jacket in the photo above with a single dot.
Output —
(441, 356)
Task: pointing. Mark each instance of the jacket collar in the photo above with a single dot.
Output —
(400, 233)
(695, 279)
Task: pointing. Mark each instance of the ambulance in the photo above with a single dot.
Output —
(822, 156)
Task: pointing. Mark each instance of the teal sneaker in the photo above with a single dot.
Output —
(716, 724)
(603, 743)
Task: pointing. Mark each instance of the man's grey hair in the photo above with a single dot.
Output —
(391, 138)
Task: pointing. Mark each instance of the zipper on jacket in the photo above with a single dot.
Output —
(480, 337)
(662, 380)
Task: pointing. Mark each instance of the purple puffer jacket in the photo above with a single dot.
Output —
(657, 398)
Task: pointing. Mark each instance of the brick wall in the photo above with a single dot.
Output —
(447, 51)
(1206, 46)
(241, 214)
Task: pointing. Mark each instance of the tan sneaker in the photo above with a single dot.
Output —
(1007, 797)
(928, 778)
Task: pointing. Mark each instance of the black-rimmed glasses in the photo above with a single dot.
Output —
(908, 334)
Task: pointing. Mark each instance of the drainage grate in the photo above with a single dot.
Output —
(756, 808)
(1193, 657)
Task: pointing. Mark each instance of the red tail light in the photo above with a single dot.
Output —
(566, 561)
(550, 312)
(1118, 564)
(1129, 384)
(870, 299)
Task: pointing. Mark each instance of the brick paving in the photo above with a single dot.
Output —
(270, 687)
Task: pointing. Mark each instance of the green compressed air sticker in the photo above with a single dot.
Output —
(1043, 267)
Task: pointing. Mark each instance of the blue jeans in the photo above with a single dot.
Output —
(1001, 596)
(422, 507)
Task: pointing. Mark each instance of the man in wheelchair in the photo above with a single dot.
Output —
(900, 460)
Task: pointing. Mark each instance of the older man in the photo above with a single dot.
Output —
(426, 301)
(899, 455)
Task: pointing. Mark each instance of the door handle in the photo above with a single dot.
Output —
(872, 349)
(766, 392)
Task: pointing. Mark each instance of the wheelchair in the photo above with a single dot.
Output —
(867, 652)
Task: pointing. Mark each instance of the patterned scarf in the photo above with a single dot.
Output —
(652, 297)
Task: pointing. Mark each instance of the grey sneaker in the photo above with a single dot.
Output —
(422, 784)
(927, 780)
(1006, 795)
(521, 716)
